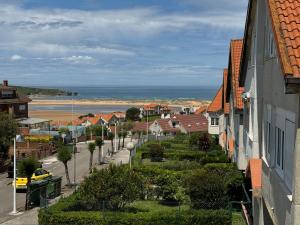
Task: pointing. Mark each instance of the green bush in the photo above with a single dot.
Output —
(232, 177)
(115, 187)
(191, 217)
(206, 190)
(166, 144)
(156, 152)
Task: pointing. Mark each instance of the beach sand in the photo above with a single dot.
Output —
(52, 115)
(172, 103)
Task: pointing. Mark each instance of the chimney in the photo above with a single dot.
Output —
(5, 83)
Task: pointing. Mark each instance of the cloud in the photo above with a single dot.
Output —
(16, 57)
(79, 59)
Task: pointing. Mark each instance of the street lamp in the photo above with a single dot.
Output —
(130, 147)
(15, 212)
(116, 137)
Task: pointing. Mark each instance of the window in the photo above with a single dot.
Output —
(7, 94)
(22, 107)
(214, 121)
(279, 148)
(268, 138)
(270, 43)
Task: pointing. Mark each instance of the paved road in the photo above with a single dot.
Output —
(51, 164)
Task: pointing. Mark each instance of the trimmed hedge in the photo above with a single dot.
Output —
(191, 217)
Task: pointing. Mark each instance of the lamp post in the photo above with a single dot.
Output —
(14, 211)
(116, 137)
(102, 136)
(130, 147)
(74, 140)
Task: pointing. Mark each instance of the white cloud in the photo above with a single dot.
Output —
(16, 58)
(78, 59)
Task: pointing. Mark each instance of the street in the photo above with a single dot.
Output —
(54, 166)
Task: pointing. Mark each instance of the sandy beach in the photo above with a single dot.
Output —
(52, 115)
(172, 103)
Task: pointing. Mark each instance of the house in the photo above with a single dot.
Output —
(234, 97)
(154, 110)
(162, 127)
(270, 74)
(190, 123)
(215, 113)
(223, 140)
(12, 102)
(201, 110)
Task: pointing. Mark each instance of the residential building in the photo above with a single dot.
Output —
(154, 110)
(190, 123)
(270, 75)
(215, 113)
(13, 102)
(234, 97)
(223, 140)
(163, 127)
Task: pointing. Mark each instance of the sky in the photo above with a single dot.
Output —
(117, 42)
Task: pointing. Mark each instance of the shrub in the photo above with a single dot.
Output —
(206, 191)
(115, 187)
(168, 188)
(156, 152)
(232, 177)
(192, 217)
(166, 144)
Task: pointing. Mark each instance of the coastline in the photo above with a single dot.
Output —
(118, 102)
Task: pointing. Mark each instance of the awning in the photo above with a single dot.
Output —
(254, 172)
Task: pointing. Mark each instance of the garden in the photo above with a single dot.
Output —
(186, 180)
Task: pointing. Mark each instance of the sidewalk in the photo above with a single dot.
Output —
(30, 217)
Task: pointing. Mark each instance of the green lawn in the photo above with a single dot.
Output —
(237, 219)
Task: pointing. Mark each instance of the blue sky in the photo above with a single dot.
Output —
(117, 42)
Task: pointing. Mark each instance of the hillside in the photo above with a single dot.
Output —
(43, 91)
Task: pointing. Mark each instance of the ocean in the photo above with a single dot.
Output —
(141, 92)
(125, 93)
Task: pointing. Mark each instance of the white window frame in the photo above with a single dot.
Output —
(270, 48)
(280, 148)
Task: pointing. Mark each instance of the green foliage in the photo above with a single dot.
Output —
(166, 144)
(202, 141)
(97, 130)
(115, 187)
(27, 166)
(132, 114)
(168, 188)
(156, 216)
(63, 130)
(99, 142)
(110, 136)
(206, 191)
(8, 130)
(92, 147)
(232, 178)
(156, 152)
(41, 91)
(64, 154)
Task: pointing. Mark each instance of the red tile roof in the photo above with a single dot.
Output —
(166, 126)
(226, 106)
(216, 104)
(254, 171)
(192, 123)
(285, 16)
(140, 127)
(236, 47)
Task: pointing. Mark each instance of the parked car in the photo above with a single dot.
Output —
(39, 174)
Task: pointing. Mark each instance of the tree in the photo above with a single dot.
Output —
(64, 155)
(26, 168)
(207, 190)
(112, 188)
(204, 142)
(111, 137)
(133, 114)
(156, 152)
(8, 130)
(99, 142)
(92, 148)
